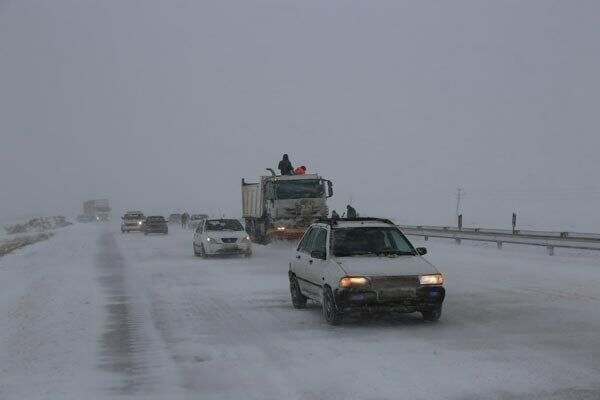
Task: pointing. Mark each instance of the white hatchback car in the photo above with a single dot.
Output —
(363, 265)
(221, 237)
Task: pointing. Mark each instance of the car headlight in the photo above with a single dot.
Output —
(209, 239)
(354, 282)
(246, 239)
(436, 279)
(139, 222)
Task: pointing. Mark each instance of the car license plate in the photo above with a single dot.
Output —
(399, 293)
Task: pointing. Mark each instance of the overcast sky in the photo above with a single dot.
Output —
(165, 105)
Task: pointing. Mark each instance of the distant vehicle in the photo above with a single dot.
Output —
(155, 224)
(85, 218)
(132, 221)
(282, 207)
(175, 218)
(363, 265)
(221, 236)
(98, 209)
(196, 219)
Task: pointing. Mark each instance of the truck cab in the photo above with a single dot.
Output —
(283, 206)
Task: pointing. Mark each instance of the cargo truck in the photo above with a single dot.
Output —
(98, 209)
(283, 206)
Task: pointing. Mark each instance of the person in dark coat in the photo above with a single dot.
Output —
(335, 215)
(285, 166)
(184, 219)
(351, 212)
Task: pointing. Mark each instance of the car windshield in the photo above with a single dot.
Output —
(134, 216)
(155, 219)
(348, 242)
(224, 225)
(297, 189)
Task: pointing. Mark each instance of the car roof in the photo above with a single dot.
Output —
(355, 223)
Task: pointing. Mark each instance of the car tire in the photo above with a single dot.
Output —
(298, 299)
(195, 251)
(203, 251)
(432, 315)
(330, 311)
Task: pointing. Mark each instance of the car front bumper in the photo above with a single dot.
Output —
(228, 248)
(408, 300)
(156, 229)
(132, 227)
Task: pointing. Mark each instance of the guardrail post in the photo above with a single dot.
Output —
(550, 250)
(499, 244)
(457, 240)
(426, 238)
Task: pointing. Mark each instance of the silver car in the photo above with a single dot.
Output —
(363, 265)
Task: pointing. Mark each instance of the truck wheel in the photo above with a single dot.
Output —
(432, 315)
(298, 299)
(330, 311)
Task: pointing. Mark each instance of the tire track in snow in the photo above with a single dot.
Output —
(129, 347)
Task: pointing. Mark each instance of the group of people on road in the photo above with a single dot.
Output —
(185, 218)
(286, 168)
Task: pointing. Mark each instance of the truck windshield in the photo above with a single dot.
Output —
(299, 189)
(224, 225)
(348, 242)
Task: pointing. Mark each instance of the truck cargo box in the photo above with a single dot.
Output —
(252, 206)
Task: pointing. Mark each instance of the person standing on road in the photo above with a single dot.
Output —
(184, 219)
(351, 212)
(285, 166)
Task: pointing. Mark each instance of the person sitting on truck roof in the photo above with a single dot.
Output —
(300, 170)
(285, 166)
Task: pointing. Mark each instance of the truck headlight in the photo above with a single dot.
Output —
(436, 279)
(354, 282)
(281, 228)
(139, 222)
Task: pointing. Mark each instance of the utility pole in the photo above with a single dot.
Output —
(459, 195)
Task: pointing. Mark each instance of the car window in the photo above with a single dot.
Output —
(306, 244)
(320, 241)
(304, 240)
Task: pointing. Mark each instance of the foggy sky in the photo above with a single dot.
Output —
(166, 105)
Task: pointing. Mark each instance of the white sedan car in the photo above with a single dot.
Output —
(363, 265)
(221, 237)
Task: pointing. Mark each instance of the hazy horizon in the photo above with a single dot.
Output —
(165, 106)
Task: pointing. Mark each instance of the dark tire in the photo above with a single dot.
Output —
(195, 251)
(203, 251)
(298, 299)
(432, 315)
(330, 311)
(145, 233)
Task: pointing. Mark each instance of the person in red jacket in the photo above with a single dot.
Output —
(300, 170)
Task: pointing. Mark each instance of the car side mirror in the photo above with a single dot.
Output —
(421, 251)
(318, 254)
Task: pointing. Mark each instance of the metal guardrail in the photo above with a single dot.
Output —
(548, 239)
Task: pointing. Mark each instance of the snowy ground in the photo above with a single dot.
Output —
(92, 313)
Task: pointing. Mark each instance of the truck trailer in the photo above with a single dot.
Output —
(98, 209)
(283, 206)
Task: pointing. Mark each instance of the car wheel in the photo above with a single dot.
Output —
(195, 250)
(432, 315)
(145, 233)
(298, 299)
(202, 251)
(248, 254)
(330, 311)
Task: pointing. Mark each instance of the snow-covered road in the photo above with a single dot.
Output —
(93, 313)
